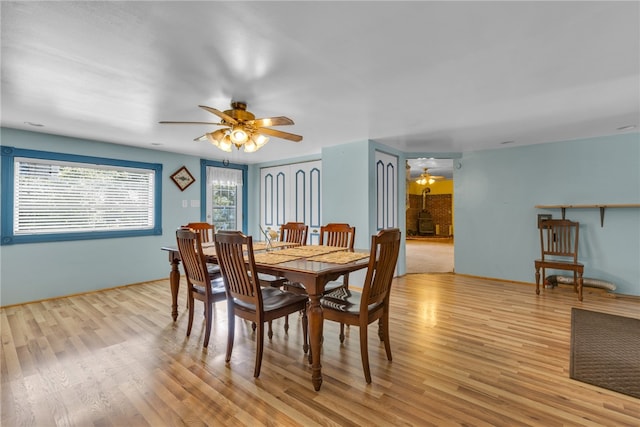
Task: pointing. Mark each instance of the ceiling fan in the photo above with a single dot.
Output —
(241, 128)
(426, 178)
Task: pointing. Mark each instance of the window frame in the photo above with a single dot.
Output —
(8, 191)
(203, 187)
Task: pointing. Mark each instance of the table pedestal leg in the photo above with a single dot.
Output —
(174, 280)
(315, 316)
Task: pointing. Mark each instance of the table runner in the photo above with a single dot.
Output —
(332, 254)
(339, 257)
(209, 248)
(272, 258)
(311, 250)
(260, 245)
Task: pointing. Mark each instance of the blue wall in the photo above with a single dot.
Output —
(36, 271)
(496, 190)
(345, 184)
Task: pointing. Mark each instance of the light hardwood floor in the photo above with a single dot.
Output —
(466, 351)
(429, 256)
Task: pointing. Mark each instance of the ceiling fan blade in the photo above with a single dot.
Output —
(271, 121)
(280, 134)
(166, 122)
(227, 118)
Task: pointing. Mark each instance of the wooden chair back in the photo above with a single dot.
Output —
(201, 284)
(338, 234)
(559, 238)
(246, 298)
(193, 260)
(559, 251)
(352, 308)
(205, 230)
(294, 232)
(240, 276)
(385, 247)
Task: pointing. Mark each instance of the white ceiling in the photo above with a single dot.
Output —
(423, 77)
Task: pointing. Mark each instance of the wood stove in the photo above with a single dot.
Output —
(425, 223)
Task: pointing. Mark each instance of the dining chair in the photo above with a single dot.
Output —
(294, 232)
(332, 234)
(290, 232)
(339, 235)
(363, 308)
(246, 298)
(206, 232)
(559, 251)
(200, 286)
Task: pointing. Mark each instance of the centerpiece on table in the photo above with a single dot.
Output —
(270, 236)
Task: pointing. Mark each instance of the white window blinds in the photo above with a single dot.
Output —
(53, 196)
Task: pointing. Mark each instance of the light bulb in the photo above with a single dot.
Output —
(238, 135)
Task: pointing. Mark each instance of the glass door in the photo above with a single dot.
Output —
(224, 198)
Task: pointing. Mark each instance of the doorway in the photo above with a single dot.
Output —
(429, 255)
(429, 216)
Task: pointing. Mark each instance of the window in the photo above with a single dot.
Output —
(52, 196)
(224, 207)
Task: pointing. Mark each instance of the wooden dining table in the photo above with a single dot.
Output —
(313, 267)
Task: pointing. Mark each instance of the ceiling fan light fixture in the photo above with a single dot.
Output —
(250, 147)
(212, 139)
(239, 135)
(259, 139)
(242, 129)
(216, 137)
(425, 178)
(225, 144)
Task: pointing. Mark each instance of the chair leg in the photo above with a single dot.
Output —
(270, 334)
(305, 331)
(345, 283)
(537, 280)
(231, 332)
(384, 323)
(190, 306)
(364, 353)
(286, 324)
(580, 283)
(207, 318)
(381, 332)
(259, 348)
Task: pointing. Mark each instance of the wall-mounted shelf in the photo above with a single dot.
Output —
(601, 207)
